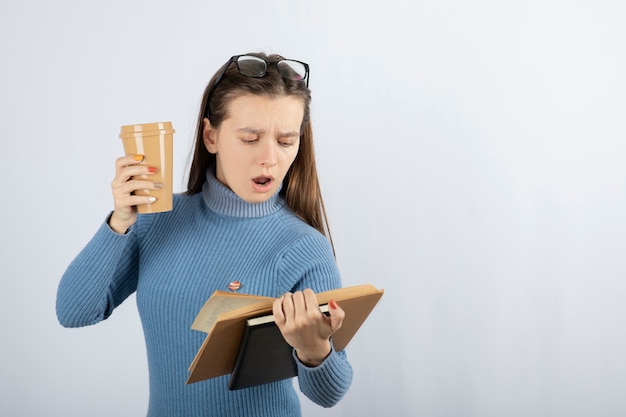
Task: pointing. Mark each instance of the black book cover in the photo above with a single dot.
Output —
(264, 356)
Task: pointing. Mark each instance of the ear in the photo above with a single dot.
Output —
(209, 136)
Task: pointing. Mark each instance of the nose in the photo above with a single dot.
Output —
(267, 154)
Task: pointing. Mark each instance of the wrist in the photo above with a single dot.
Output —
(117, 225)
(314, 357)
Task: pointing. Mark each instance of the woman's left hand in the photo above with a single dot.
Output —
(305, 327)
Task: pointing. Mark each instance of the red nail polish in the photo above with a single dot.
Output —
(332, 304)
(152, 170)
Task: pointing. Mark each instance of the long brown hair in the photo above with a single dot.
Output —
(301, 189)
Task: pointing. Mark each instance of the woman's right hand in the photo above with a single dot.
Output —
(123, 186)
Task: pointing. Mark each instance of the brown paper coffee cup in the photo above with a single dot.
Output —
(155, 142)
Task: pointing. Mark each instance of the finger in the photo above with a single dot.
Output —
(130, 201)
(124, 197)
(299, 306)
(123, 187)
(123, 163)
(125, 173)
(126, 161)
(133, 185)
(129, 160)
(336, 315)
(277, 311)
(124, 193)
(287, 306)
(311, 304)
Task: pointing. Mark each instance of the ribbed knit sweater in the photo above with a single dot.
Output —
(174, 261)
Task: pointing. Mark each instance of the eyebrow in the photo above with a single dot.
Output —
(260, 131)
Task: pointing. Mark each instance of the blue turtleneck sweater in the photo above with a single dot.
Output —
(174, 261)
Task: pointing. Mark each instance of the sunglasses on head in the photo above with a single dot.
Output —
(255, 67)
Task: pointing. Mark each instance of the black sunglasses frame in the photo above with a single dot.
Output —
(235, 59)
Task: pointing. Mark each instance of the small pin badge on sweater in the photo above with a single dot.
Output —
(234, 286)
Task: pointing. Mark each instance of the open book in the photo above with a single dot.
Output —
(225, 315)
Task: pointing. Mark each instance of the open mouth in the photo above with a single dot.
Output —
(262, 180)
(263, 184)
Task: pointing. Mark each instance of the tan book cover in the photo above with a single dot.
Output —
(223, 317)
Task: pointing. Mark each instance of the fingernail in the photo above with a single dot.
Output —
(157, 185)
(152, 199)
(332, 304)
(152, 170)
(138, 158)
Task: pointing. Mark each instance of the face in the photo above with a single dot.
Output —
(256, 144)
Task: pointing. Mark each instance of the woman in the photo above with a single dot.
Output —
(253, 213)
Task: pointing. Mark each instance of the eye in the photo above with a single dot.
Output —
(287, 141)
(249, 140)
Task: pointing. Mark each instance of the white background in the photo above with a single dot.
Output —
(472, 157)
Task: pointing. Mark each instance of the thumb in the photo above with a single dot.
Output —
(336, 316)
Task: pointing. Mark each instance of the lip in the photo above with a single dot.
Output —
(262, 183)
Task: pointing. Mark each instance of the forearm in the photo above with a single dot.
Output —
(327, 383)
(97, 280)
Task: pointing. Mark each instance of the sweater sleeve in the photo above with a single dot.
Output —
(99, 279)
(312, 262)
(327, 383)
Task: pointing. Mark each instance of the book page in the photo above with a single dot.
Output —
(221, 303)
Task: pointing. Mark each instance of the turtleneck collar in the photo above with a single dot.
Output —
(223, 200)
